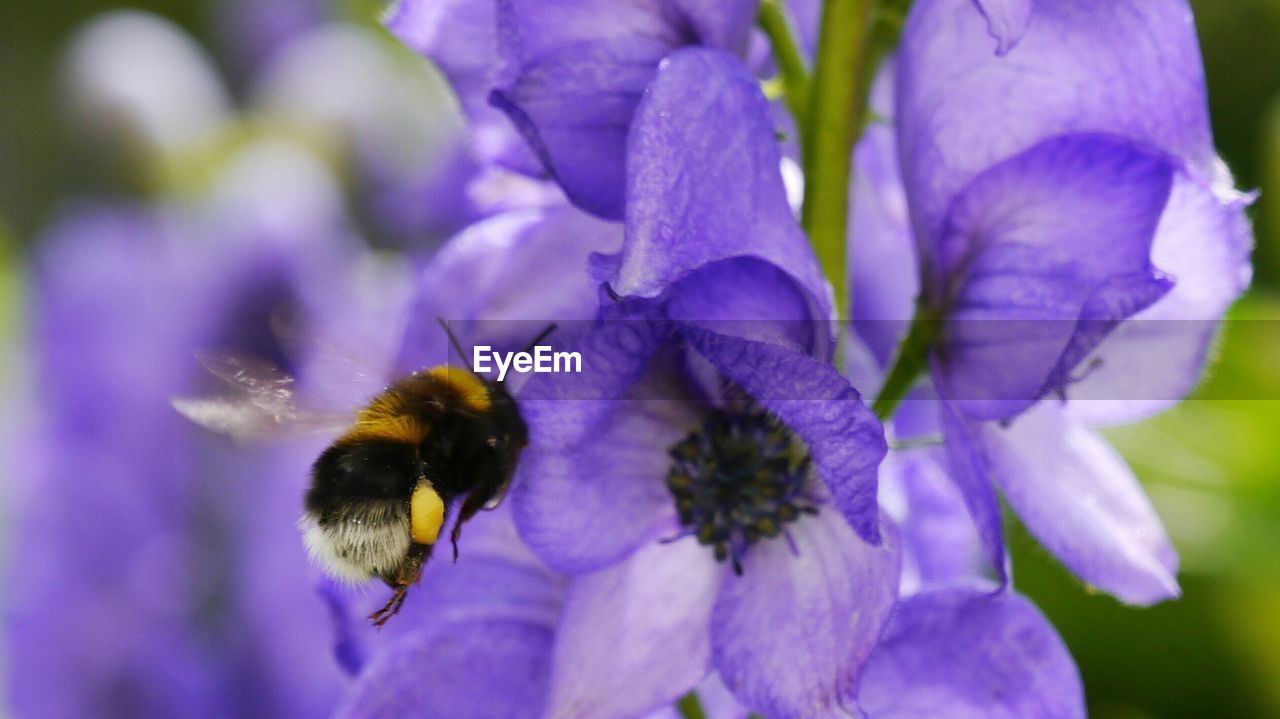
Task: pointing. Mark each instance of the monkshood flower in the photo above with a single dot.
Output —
(161, 572)
(753, 508)
(568, 75)
(1076, 239)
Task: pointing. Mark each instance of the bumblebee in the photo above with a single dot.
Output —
(384, 490)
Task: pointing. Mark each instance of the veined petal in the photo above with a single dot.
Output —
(1007, 20)
(1043, 255)
(573, 73)
(789, 637)
(633, 636)
(1080, 499)
(845, 439)
(1130, 68)
(969, 654)
(1157, 357)
(613, 485)
(700, 190)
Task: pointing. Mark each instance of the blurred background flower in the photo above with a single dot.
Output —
(159, 171)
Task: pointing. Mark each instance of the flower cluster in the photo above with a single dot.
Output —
(1033, 236)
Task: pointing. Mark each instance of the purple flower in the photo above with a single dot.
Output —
(1076, 237)
(776, 477)
(161, 571)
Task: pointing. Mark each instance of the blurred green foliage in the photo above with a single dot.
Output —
(1212, 465)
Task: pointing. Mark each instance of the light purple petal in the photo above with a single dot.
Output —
(633, 636)
(789, 637)
(844, 438)
(968, 654)
(459, 36)
(1130, 68)
(700, 189)
(1043, 254)
(474, 638)
(583, 509)
(1080, 499)
(1007, 20)
(468, 670)
(574, 71)
(1155, 359)
(502, 280)
(940, 546)
(969, 470)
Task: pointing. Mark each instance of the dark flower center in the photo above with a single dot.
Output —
(738, 480)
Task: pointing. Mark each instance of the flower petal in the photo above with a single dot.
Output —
(582, 509)
(700, 190)
(969, 470)
(749, 298)
(940, 546)
(1130, 68)
(1155, 359)
(969, 654)
(633, 636)
(1047, 252)
(502, 280)
(574, 71)
(459, 36)
(1007, 20)
(468, 670)
(1080, 499)
(789, 637)
(845, 439)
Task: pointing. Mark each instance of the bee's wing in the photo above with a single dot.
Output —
(261, 401)
(330, 365)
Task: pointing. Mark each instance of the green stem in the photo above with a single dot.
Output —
(792, 67)
(909, 366)
(836, 107)
(690, 707)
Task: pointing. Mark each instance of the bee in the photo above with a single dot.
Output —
(384, 490)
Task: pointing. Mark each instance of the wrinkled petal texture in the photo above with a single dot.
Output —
(845, 439)
(789, 637)
(1080, 499)
(459, 36)
(632, 636)
(573, 74)
(1125, 67)
(1043, 254)
(701, 189)
(1007, 20)
(966, 654)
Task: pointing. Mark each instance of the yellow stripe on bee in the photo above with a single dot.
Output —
(471, 390)
(386, 419)
(426, 514)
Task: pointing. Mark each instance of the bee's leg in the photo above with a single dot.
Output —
(407, 575)
(470, 506)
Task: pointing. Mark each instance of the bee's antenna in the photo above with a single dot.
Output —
(457, 346)
(541, 336)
